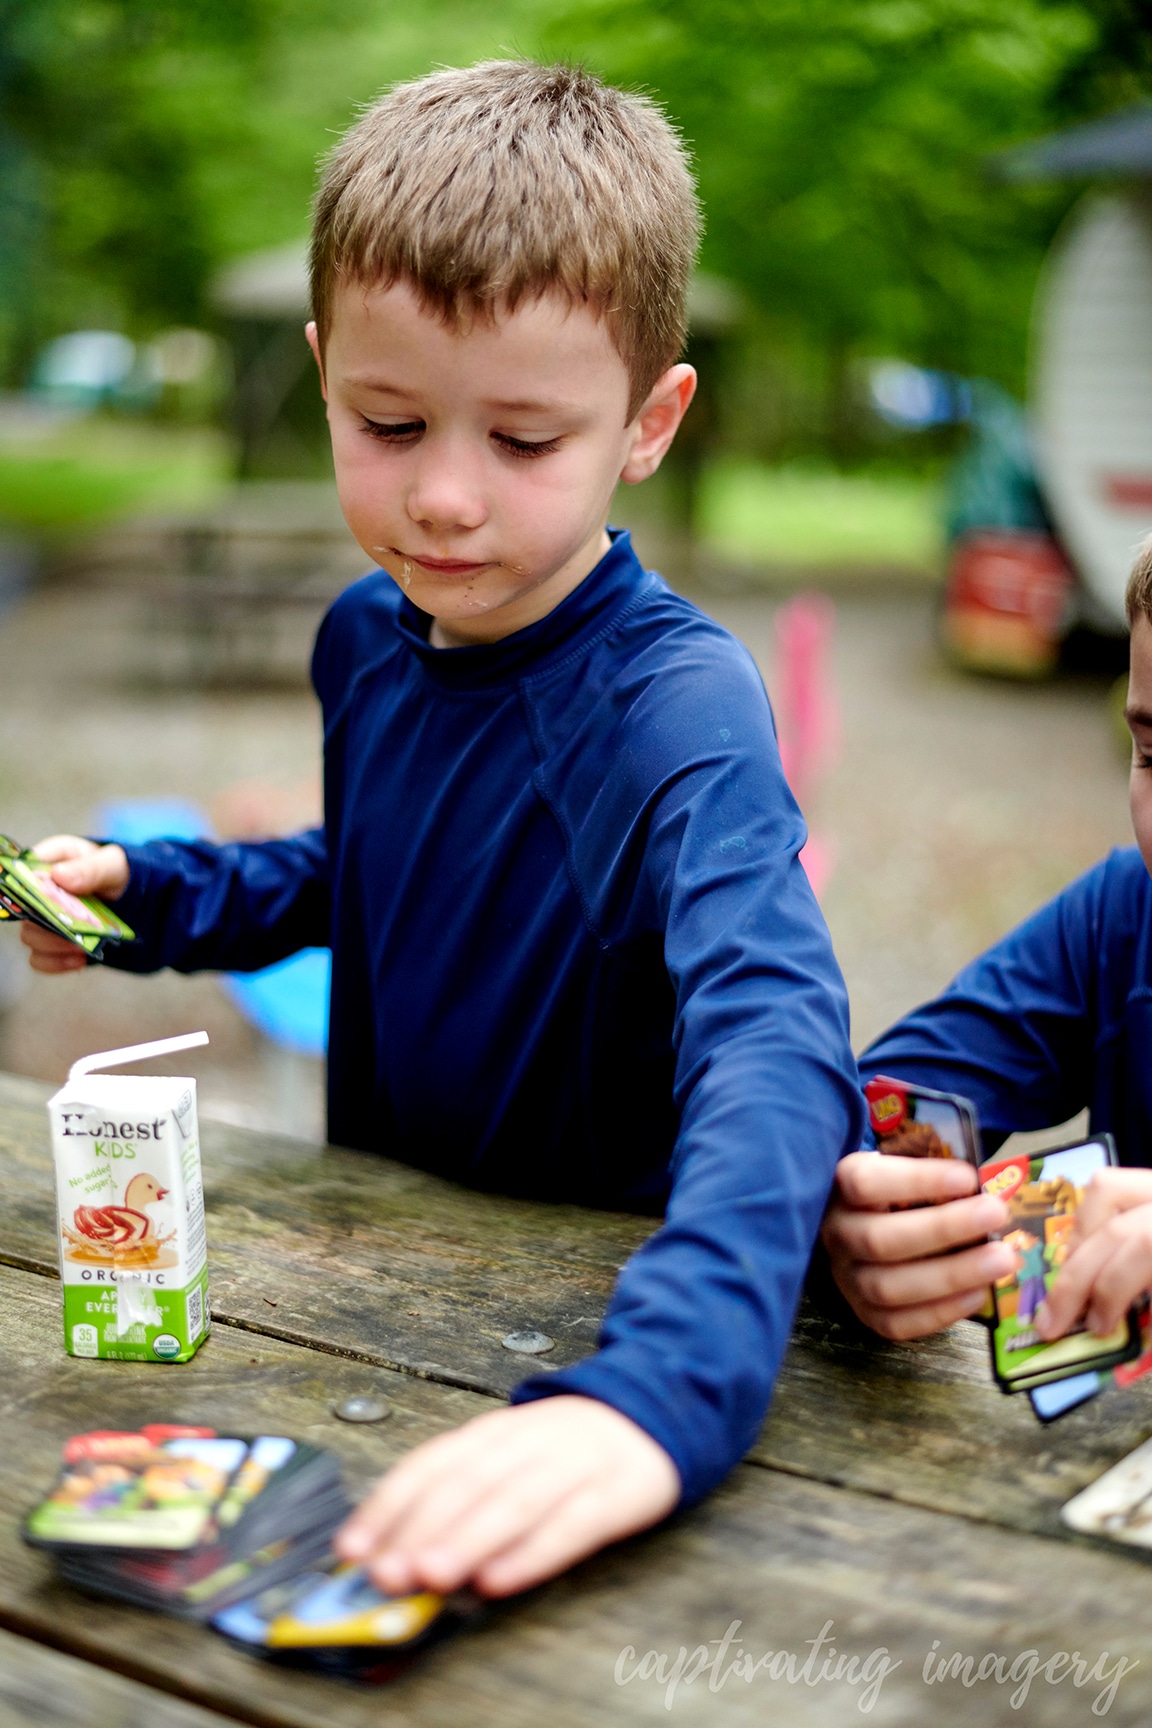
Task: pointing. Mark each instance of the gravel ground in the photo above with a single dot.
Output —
(956, 806)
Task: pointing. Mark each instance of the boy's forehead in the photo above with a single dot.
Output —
(1140, 669)
(536, 354)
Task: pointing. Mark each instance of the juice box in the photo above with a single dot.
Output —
(130, 1204)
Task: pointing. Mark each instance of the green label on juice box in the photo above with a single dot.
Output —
(91, 1324)
(131, 1212)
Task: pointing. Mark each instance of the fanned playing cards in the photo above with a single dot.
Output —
(27, 891)
(235, 1530)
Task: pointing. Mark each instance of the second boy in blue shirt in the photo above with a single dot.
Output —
(1054, 1019)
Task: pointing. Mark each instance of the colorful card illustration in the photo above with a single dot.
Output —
(345, 1609)
(128, 1491)
(1119, 1503)
(916, 1122)
(1043, 1194)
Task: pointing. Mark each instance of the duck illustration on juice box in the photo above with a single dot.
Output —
(130, 1203)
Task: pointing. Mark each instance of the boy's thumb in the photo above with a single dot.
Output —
(80, 875)
(103, 873)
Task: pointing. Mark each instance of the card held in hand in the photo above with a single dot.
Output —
(1043, 1193)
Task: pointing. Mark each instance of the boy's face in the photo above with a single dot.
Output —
(1138, 714)
(477, 465)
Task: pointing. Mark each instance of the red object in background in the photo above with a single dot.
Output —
(807, 712)
(1006, 602)
(1128, 491)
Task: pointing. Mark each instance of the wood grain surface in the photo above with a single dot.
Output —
(782, 1556)
(361, 1256)
(42, 1688)
(354, 1252)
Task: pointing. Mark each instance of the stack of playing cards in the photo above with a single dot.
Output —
(28, 891)
(185, 1519)
(237, 1531)
(339, 1622)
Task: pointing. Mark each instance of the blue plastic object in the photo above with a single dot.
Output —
(1060, 1396)
(132, 821)
(287, 1002)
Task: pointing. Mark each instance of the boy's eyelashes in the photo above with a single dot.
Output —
(1141, 752)
(407, 431)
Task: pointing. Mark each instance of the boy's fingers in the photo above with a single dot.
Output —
(377, 1517)
(1110, 1192)
(103, 872)
(458, 1456)
(898, 1236)
(1068, 1297)
(875, 1180)
(902, 1325)
(917, 1282)
(1122, 1281)
(496, 1520)
(57, 847)
(577, 1527)
(438, 1520)
(1104, 1275)
(49, 953)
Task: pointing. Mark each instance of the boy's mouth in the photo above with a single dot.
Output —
(445, 566)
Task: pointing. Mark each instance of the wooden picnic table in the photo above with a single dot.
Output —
(894, 1500)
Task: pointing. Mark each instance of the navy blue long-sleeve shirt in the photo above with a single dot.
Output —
(574, 956)
(1055, 1017)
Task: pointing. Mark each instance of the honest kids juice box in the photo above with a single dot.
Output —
(130, 1204)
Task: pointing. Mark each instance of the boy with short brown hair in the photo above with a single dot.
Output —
(574, 951)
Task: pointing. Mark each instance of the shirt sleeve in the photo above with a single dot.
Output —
(199, 907)
(1016, 1030)
(765, 1083)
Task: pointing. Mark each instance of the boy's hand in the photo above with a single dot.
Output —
(896, 1268)
(83, 868)
(1109, 1261)
(510, 1499)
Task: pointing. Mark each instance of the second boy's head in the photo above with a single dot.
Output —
(499, 267)
(1138, 711)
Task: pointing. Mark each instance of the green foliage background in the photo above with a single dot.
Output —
(843, 151)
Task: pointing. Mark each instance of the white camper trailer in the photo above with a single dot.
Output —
(1092, 395)
(1018, 582)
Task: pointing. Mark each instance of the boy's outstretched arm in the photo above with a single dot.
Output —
(511, 1498)
(194, 905)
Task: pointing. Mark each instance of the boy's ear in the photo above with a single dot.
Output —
(314, 343)
(655, 425)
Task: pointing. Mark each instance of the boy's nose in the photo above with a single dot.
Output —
(444, 494)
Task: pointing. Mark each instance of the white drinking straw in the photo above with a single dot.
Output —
(135, 1053)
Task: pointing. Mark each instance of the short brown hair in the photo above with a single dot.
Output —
(1138, 596)
(501, 181)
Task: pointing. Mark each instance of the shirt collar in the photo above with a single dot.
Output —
(579, 617)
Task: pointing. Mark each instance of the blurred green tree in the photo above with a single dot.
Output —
(843, 150)
(109, 108)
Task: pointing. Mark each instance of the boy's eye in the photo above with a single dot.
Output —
(392, 431)
(525, 446)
